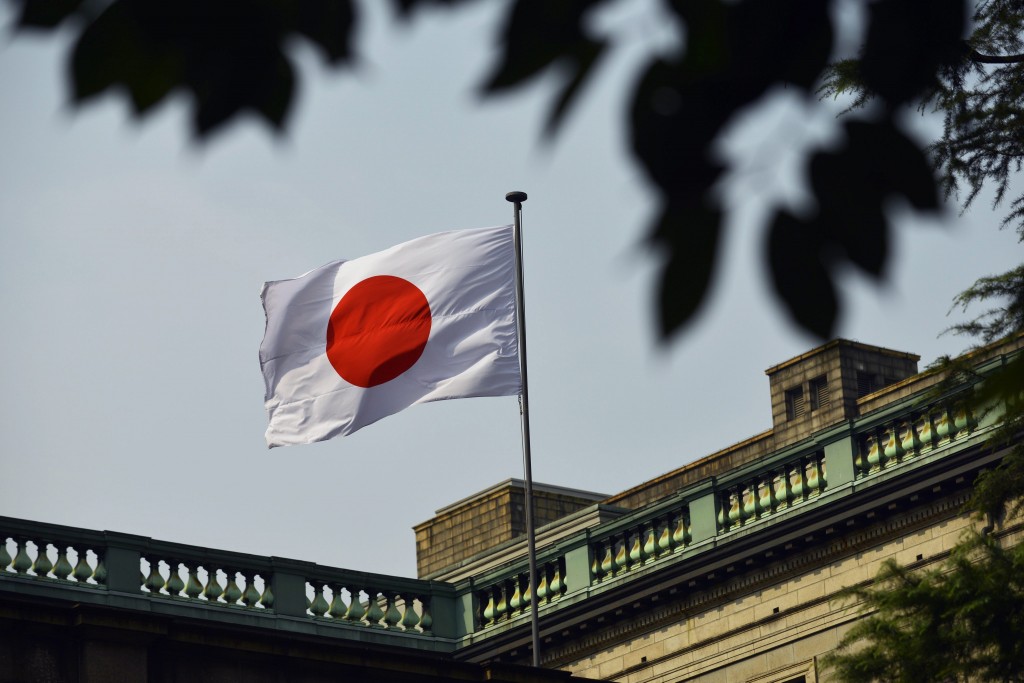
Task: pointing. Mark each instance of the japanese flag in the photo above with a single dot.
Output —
(354, 341)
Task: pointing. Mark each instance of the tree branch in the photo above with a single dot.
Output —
(979, 58)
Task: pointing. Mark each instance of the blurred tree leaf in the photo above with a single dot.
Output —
(46, 13)
(540, 35)
(231, 59)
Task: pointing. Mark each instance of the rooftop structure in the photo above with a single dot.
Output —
(727, 568)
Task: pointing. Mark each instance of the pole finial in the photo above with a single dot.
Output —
(516, 196)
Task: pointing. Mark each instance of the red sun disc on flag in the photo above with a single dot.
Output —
(378, 330)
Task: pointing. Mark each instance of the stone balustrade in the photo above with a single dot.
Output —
(47, 554)
(34, 554)
(771, 490)
(634, 545)
(911, 434)
(346, 600)
(512, 596)
(679, 531)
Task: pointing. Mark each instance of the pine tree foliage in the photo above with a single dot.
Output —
(960, 622)
(963, 621)
(980, 96)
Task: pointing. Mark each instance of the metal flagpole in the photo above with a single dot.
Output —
(517, 199)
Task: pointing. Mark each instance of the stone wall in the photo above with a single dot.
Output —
(489, 519)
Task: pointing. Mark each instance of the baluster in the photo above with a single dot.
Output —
(892, 446)
(174, 583)
(82, 571)
(796, 481)
(100, 575)
(961, 418)
(62, 570)
(489, 610)
(392, 617)
(231, 591)
(42, 565)
(22, 562)
(5, 557)
(515, 603)
(193, 588)
(665, 538)
(409, 617)
(501, 609)
(764, 496)
(679, 535)
(908, 438)
(749, 500)
(319, 605)
(154, 582)
(426, 621)
(338, 608)
(267, 599)
(595, 564)
(621, 554)
(811, 477)
(780, 490)
(542, 584)
(942, 425)
(251, 596)
(923, 427)
(608, 563)
(356, 612)
(527, 593)
(557, 586)
(874, 456)
(213, 589)
(650, 547)
(374, 614)
(734, 507)
(635, 551)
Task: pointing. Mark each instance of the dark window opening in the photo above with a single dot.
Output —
(819, 393)
(867, 382)
(795, 406)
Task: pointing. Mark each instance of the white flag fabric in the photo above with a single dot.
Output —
(354, 341)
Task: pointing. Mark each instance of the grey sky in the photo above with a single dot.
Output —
(131, 262)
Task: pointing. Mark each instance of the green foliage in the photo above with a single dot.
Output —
(978, 90)
(1002, 320)
(228, 56)
(963, 621)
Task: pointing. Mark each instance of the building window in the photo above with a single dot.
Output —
(819, 393)
(866, 383)
(795, 406)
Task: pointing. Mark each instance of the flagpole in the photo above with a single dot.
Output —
(517, 199)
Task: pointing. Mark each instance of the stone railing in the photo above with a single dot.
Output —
(36, 556)
(770, 490)
(912, 434)
(49, 554)
(362, 602)
(205, 576)
(512, 595)
(640, 541)
(841, 463)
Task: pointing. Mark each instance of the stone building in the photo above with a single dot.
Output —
(726, 569)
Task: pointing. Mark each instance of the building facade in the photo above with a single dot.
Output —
(727, 569)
